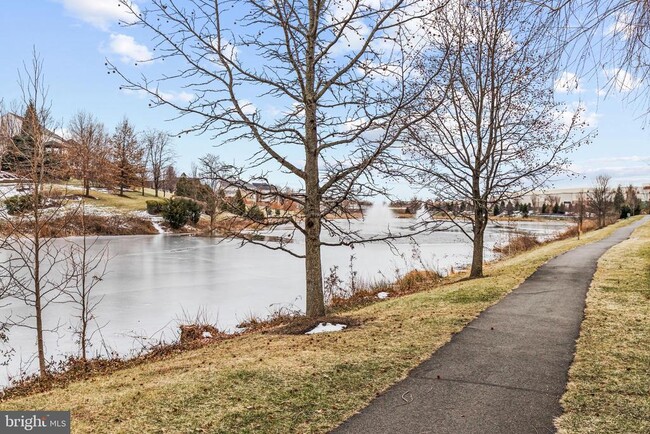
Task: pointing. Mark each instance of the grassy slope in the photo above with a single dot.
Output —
(609, 381)
(131, 201)
(272, 383)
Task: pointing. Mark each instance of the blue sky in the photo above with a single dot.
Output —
(75, 37)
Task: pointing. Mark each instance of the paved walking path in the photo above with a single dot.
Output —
(507, 370)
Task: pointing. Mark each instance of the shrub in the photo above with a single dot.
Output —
(518, 244)
(416, 278)
(235, 205)
(255, 213)
(20, 204)
(179, 211)
(156, 206)
(193, 210)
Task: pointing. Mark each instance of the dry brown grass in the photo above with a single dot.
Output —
(70, 225)
(609, 381)
(288, 383)
(518, 244)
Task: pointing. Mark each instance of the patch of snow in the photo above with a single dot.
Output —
(382, 295)
(141, 214)
(206, 335)
(10, 190)
(326, 328)
(156, 224)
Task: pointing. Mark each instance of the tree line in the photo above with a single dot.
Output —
(118, 161)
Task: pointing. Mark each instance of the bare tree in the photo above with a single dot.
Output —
(87, 150)
(126, 156)
(600, 199)
(30, 269)
(336, 75)
(605, 35)
(159, 154)
(213, 171)
(86, 267)
(499, 135)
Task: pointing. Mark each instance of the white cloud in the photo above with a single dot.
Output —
(128, 50)
(247, 107)
(181, 96)
(583, 114)
(568, 82)
(622, 80)
(622, 26)
(100, 13)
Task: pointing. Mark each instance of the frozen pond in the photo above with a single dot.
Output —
(152, 280)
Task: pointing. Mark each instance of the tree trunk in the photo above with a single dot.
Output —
(480, 222)
(38, 311)
(313, 269)
(477, 257)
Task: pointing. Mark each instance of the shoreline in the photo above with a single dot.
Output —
(453, 283)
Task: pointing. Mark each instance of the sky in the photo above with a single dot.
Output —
(76, 37)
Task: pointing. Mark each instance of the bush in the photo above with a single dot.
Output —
(20, 204)
(156, 206)
(518, 244)
(193, 210)
(415, 279)
(255, 213)
(179, 211)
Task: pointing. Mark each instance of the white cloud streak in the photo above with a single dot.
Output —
(128, 49)
(99, 13)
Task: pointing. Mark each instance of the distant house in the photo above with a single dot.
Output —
(11, 125)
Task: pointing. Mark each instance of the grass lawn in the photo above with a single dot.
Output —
(131, 201)
(609, 381)
(281, 383)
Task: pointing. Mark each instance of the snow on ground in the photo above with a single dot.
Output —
(382, 295)
(155, 220)
(9, 190)
(326, 328)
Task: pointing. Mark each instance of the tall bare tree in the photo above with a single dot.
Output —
(86, 268)
(212, 172)
(499, 135)
(600, 199)
(159, 154)
(330, 79)
(30, 269)
(87, 150)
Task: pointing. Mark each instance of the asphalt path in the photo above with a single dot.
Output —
(507, 370)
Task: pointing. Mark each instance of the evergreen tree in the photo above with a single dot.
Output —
(126, 156)
(237, 205)
(619, 199)
(19, 154)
